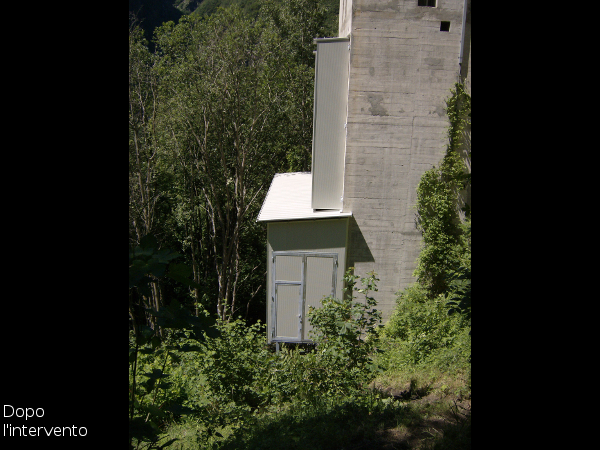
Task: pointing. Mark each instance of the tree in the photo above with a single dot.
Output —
(298, 23)
(143, 86)
(223, 103)
(143, 159)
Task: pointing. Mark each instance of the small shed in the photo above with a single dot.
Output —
(307, 227)
(306, 255)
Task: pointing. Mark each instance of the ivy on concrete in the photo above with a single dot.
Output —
(443, 202)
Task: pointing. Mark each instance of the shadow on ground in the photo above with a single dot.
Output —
(391, 424)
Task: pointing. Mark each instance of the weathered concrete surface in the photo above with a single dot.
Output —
(402, 68)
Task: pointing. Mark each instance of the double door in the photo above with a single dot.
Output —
(299, 280)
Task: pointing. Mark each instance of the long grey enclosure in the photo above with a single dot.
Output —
(329, 122)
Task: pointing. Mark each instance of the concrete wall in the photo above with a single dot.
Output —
(402, 68)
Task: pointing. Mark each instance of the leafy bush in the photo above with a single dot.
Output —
(421, 331)
(156, 384)
(216, 384)
(241, 375)
(156, 345)
(458, 296)
(438, 220)
(341, 423)
(234, 366)
(345, 333)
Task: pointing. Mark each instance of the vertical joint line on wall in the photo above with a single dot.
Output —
(302, 299)
(462, 40)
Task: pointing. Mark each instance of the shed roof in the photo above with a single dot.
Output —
(289, 198)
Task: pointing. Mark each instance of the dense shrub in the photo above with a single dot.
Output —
(421, 331)
(345, 332)
(232, 386)
(235, 363)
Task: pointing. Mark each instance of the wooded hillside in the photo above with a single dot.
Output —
(153, 13)
(223, 104)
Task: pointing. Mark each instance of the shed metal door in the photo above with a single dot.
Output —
(320, 282)
(286, 312)
(300, 280)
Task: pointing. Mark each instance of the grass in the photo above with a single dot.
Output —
(413, 409)
(441, 407)
(426, 405)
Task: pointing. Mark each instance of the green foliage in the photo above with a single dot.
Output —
(440, 195)
(233, 111)
(156, 384)
(420, 331)
(147, 263)
(223, 104)
(154, 350)
(458, 108)
(458, 297)
(233, 391)
(147, 260)
(233, 375)
(208, 7)
(219, 94)
(343, 422)
(438, 221)
(153, 13)
(340, 364)
(235, 368)
(242, 375)
(345, 333)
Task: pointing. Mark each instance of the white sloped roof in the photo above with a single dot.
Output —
(289, 198)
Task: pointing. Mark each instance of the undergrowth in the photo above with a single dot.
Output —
(355, 390)
(404, 385)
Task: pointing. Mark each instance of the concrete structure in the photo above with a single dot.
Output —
(402, 60)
